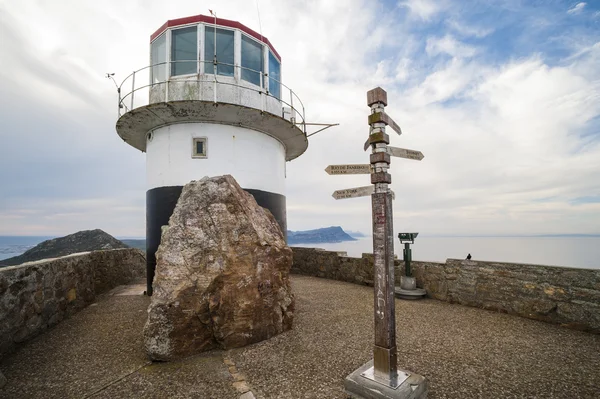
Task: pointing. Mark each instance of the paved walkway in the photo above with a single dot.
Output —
(464, 352)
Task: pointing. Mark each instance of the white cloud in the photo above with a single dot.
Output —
(423, 9)
(449, 45)
(466, 29)
(577, 8)
(502, 143)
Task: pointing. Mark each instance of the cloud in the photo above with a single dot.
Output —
(510, 129)
(423, 9)
(466, 29)
(577, 8)
(449, 45)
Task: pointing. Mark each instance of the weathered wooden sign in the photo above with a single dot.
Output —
(351, 169)
(405, 153)
(382, 117)
(357, 192)
(353, 192)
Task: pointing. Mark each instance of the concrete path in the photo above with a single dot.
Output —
(464, 352)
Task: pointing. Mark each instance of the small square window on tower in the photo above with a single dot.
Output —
(199, 147)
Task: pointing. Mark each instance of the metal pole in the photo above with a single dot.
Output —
(132, 89)
(384, 349)
(407, 259)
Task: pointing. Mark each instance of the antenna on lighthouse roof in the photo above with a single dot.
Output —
(259, 24)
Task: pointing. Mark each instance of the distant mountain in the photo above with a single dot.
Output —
(82, 241)
(356, 234)
(135, 243)
(325, 235)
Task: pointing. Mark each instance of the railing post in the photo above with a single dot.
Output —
(167, 81)
(132, 89)
(293, 116)
(215, 66)
(262, 97)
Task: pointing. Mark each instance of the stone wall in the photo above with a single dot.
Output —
(561, 295)
(37, 295)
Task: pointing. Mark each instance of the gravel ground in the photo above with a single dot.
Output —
(464, 352)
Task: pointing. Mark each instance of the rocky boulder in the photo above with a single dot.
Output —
(221, 274)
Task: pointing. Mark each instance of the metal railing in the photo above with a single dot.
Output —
(139, 91)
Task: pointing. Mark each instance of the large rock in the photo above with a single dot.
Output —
(221, 274)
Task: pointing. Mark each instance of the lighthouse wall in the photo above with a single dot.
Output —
(256, 160)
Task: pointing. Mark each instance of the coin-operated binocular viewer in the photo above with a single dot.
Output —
(408, 284)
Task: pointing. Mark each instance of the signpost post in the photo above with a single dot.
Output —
(380, 377)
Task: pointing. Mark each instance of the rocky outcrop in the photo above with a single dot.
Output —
(221, 274)
(324, 235)
(82, 241)
(38, 295)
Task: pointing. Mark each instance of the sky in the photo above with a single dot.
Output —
(502, 97)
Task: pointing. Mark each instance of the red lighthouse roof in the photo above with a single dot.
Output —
(206, 19)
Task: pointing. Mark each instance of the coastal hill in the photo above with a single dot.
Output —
(94, 240)
(325, 235)
(82, 241)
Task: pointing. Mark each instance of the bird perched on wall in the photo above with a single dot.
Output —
(469, 257)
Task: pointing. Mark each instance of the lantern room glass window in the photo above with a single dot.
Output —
(274, 76)
(252, 60)
(184, 51)
(225, 51)
(158, 56)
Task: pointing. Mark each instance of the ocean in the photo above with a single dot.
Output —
(15, 245)
(582, 252)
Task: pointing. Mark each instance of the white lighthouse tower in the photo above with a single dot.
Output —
(211, 102)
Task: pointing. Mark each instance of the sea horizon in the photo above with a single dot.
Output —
(562, 251)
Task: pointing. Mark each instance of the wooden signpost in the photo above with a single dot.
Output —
(405, 153)
(353, 192)
(356, 169)
(381, 378)
(356, 192)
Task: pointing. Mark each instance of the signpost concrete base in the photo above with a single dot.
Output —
(416, 293)
(359, 386)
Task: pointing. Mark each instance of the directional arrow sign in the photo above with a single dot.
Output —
(356, 192)
(382, 117)
(353, 192)
(405, 153)
(355, 169)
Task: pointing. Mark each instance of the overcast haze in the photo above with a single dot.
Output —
(503, 100)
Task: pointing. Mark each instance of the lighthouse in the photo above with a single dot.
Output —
(211, 102)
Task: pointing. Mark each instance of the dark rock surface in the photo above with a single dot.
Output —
(221, 274)
(325, 235)
(82, 241)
